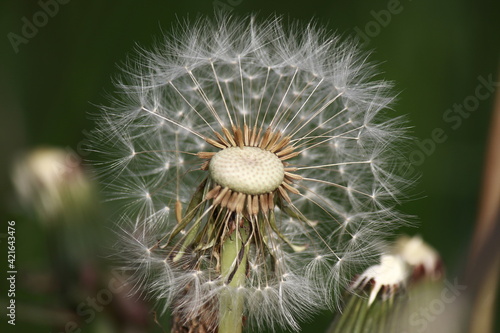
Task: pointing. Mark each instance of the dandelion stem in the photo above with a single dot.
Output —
(233, 269)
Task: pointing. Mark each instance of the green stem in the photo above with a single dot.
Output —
(233, 269)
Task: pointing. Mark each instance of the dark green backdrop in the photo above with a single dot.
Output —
(436, 52)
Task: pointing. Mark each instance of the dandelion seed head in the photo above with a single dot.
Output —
(237, 126)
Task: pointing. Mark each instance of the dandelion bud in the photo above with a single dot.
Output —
(423, 259)
(52, 183)
(389, 276)
(390, 296)
(255, 167)
(53, 187)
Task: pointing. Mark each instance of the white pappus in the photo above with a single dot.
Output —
(267, 135)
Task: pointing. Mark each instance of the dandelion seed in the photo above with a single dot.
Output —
(289, 126)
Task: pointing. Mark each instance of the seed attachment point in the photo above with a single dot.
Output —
(248, 170)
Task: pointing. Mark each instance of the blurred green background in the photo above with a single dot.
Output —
(435, 52)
